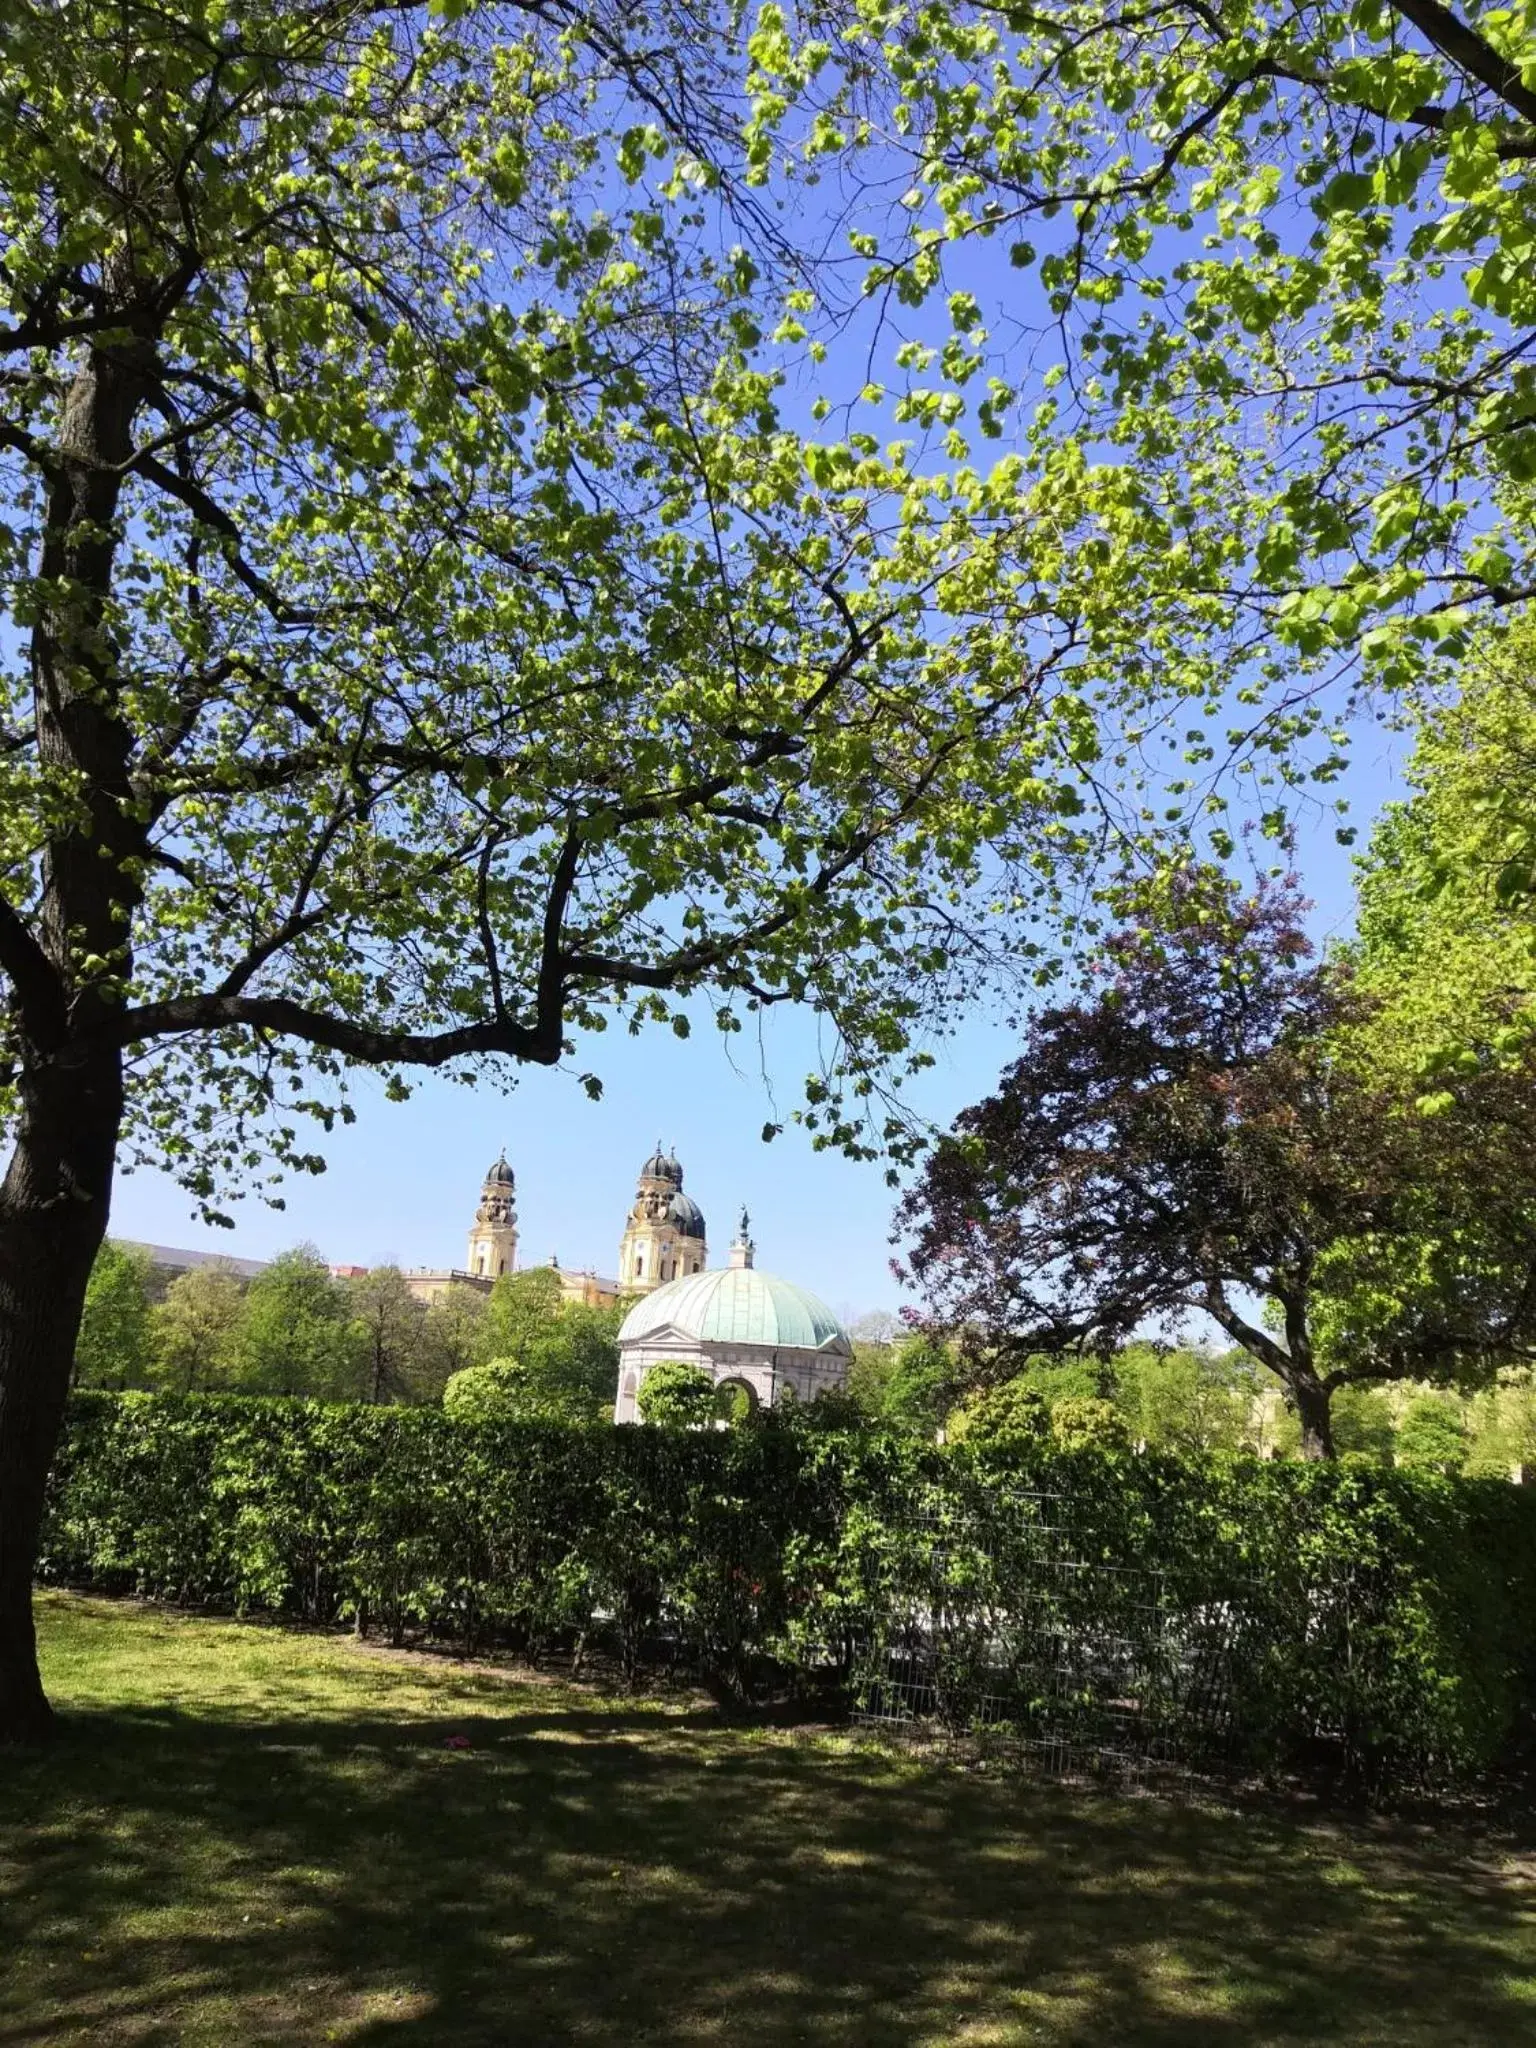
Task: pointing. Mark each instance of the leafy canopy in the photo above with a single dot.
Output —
(552, 1360)
(1446, 933)
(429, 639)
(115, 1344)
(295, 1335)
(1249, 286)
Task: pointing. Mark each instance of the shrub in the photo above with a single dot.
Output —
(1042, 1584)
(676, 1395)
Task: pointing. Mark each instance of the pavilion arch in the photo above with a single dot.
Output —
(736, 1398)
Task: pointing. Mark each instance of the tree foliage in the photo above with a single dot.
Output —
(1187, 1400)
(1196, 1138)
(295, 1328)
(475, 651)
(565, 1370)
(1431, 1435)
(194, 1330)
(389, 1326)
(1250, 285)
(908, 1384)
(295, 1335)
(1446, 933)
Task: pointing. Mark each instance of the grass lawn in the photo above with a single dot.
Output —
(246, 1835)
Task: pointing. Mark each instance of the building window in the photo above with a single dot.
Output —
(639, 1265)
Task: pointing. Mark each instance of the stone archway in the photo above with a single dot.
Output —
(736, 1399)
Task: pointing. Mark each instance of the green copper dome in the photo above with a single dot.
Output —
(738, 1306)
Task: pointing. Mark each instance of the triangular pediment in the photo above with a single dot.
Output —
(668, 1333)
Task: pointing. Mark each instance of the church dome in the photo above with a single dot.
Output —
(500, 1175)
(662, 1166)
(686, 1217)
(738, 1305)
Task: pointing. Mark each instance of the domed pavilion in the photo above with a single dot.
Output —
(751, 1331)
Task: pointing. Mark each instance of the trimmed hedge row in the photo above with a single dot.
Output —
(1258, 1609)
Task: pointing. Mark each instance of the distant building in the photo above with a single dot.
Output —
(493, 1234)
(664, 1239)
(492, 1251)
(168, 1262)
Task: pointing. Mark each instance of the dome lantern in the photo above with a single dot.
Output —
(743, 1250)
(662, 1166)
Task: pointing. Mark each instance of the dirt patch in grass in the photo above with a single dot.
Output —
(246, 1835)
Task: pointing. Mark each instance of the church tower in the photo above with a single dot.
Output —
(493, 1235)
(664, 1237)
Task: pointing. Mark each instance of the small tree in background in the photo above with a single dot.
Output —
(454, 1334)
(676, 1395)
(390, 1325)
(1182, 1399)
(521, 1307)
(1502, 1425)
(554, 1360)
(295, 1335)
(114, 1348)
(909, 1384)
(193, 1329)
(1432, 1436)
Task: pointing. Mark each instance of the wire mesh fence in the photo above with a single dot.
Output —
(1003, 1633)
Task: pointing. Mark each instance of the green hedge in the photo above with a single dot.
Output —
(1262, 1612)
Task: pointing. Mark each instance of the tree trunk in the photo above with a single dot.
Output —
(53, 1216)
(1312, 1408)
(66, 974)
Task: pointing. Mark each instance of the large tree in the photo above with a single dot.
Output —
(1198, 1138)
(425, 637)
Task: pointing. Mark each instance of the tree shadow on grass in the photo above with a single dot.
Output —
(609, 1877)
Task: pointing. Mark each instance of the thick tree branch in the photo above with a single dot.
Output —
(1469, 52)
(539, 1043)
